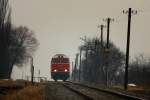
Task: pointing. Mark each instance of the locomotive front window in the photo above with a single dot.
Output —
(65, 60)
(54, 60)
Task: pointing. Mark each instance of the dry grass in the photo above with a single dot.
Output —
(12, 83)
(26, 92)
(139, 89)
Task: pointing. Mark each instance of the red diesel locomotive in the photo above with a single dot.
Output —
(60, 67)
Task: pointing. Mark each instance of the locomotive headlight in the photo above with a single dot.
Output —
(55, 70)
(66, 70)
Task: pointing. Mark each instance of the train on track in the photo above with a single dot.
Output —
(60, 67)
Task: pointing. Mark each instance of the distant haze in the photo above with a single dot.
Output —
(59, 24)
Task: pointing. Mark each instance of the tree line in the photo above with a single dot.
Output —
(107, 67)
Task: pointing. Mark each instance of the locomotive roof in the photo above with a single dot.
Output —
(59, 55)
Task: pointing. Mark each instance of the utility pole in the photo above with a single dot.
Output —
(108, 20)
(75, 67)
(72, 71)
(96, 44)
(22, 74)
(87, 47)
(32, 70)
(106, 51)
(86, 51)
(80, 63)
(87, 55)
(101, 27)
(39, 75)
(129, 12)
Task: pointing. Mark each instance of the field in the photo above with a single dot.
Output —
(20, 90)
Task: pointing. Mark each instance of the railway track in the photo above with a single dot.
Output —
(93, 93)
(78, 92)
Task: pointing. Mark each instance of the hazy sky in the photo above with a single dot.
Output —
(59, 24)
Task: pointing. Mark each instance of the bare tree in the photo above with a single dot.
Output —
(22, 46)
(16, 44)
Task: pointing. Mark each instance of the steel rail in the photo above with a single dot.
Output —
(129, 97)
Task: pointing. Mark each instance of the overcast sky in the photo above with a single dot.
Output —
(59, 24)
